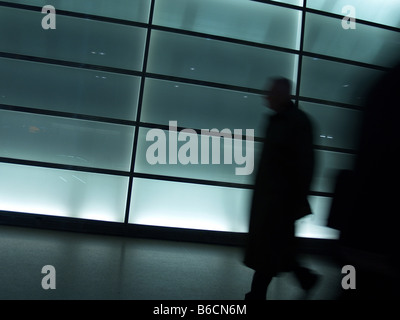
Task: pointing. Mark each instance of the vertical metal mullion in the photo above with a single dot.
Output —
(138, 113)
(301, 49)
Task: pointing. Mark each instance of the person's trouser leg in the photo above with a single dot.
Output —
(306, 278)
(259, 286)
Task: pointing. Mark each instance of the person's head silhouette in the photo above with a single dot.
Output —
(279, 94)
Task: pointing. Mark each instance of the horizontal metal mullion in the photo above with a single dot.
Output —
(224, 39)
(206, 83)
(52, 165)
(345, 61)
(331, 103)
(335, 149)
(192, 180)
(68, 115)
(280, 4)
(72, 64)
(213, 183)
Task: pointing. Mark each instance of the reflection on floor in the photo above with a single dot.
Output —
(105, 267)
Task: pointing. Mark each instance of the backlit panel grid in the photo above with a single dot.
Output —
(84, 96)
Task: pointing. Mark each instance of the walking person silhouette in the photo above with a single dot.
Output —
(280, 193)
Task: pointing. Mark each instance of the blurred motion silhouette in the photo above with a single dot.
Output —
(365, 204)
(280, 193)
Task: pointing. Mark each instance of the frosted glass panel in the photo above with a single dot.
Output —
(78, 40)
(224, 171)
(137, 10)
(334, 126)
(202, 107)
(240, 19)
(328, 164)
(62, 193)
(217, 61)
(365, 43)
(183, 205)
(335, 81)
(66, 141)
(380, 11)
(67, 89)
(314, 225)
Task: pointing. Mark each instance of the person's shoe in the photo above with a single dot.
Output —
(309, 281)
(306, 278)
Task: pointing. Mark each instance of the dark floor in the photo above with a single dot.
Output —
(106, 267)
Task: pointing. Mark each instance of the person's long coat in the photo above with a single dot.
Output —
(280, 193)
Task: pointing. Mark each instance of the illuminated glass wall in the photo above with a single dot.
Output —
(80, 103)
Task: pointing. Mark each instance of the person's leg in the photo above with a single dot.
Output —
(259, 286)
(306, 278)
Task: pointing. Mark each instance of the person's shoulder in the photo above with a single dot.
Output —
(298, 114)
(302, 115)
(300, 120)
